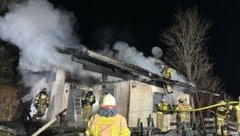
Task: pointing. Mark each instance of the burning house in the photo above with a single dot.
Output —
(136, 90)
(39, 30)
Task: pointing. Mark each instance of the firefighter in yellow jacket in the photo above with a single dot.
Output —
(237, 107)
(162, 108)
(167, 72)
(237, 111)
(184, 118)
(107, 122)
(183, 105)
(41, 102)
(221, 114)
(87, 101)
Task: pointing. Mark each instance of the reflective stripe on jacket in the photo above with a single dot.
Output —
(222, 112)
(237, 107)
(184, 116)
(168, 72)
(41, 99)
(107, 126)
(161, 107)
(88, 100)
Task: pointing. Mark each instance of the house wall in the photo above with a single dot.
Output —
(56, 104)
(135, 100)
(9, 104)
(142, 101)
(121, 93)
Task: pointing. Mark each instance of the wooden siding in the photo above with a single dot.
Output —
(8, 104)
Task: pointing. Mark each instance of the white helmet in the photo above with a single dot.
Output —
(109, 100)
(90, 89)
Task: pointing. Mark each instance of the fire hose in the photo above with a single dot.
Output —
(204, 108)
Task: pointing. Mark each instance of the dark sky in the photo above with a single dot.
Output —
(139, 24)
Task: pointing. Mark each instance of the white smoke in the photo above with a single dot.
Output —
(132, 56)
(37, 29)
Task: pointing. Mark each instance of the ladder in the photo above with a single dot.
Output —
(77, 109)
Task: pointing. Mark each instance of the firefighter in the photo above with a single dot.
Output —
(183, 117)
(87, 101)
(237, 107)
(168, 88)
(107, 122)
(221, 114)
(183, 105)
(162, 107)
(237, 114)
(41, 102)
(167, 72)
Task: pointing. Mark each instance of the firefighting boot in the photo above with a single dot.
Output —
(163, 130)
(219, 133)
(225, 132)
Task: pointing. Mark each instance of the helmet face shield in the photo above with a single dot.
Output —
(89, 93)
(44, 90)
(180, 100)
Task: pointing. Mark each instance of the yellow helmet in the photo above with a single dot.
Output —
(109, 100)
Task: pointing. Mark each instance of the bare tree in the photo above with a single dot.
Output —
(187, 53)
(186, 39)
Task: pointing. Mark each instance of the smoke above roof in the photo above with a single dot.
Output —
(37, 28)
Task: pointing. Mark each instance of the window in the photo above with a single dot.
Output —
(156, 98)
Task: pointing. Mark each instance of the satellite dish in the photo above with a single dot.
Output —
(157, 52)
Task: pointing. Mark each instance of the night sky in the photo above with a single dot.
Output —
(139, 24)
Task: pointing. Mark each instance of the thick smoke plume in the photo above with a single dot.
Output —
(37, 28)
(132, 56)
